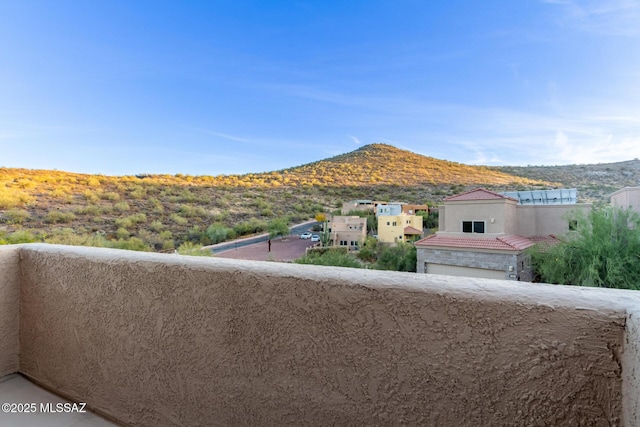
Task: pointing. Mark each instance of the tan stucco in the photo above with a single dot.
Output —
(504, 216)
(9, 308)
(498, 215)
(542, 220)
(628, 197)
(349, 229)
(153, 339)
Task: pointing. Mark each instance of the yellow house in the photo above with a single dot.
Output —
(399, 228)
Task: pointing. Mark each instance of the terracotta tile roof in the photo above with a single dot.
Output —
(503, 243)
(412, 230)
(477, 194)
(545, 242)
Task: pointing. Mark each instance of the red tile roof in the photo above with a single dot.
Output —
(477, 194)
(412, 230)
(503, 243)
(545, 242)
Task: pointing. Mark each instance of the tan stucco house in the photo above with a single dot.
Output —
(485, 234)
(349, 231)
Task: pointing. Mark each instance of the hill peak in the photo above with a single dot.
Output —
(375, 164)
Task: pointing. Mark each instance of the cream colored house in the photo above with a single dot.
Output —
(399, 228)
(350, 231)
(485, 234)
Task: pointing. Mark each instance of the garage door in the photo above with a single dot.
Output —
(454, 270)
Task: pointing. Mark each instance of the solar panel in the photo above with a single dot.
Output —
(565, 196)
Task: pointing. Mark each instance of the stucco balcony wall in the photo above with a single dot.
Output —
(152, 339)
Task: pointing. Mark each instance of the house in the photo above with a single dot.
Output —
(414, 209)
(628, 197)
(396, 208)
(388, 209)
(350, 231)
(485, 234)
(399, 228)
(360, 206)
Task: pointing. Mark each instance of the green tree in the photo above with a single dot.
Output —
(429, 219)
(604, 251)
(278, 227)
(368, 251)
(397, 258)
(219, 233)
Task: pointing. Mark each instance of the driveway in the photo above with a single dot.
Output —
(282, 249)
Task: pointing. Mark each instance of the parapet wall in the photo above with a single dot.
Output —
(9, 309)
(154, 339)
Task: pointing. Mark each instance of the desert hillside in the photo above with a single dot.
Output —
(162, 212)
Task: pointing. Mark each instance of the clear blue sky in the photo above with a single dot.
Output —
(219, 87)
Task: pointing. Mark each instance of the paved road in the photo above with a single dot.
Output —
(234, 244)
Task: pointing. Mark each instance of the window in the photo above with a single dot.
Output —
(473, 226)
(395, 223)
(388, 223)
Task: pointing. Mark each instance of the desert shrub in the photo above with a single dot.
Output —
(278, 227)
(330, 257)
(157, 225)
(16, 216)
(251, 226)
(193, 211)
(90, 196)
(190, 248)
(131, 220)
(122, 207)
(156, 205)
(178, 219)
(122, 233)
(132, 244)
(219, 233)
(57, 217)
(92, 210)
(109, 195)
(59, 193)
(11, 198)
(138, 192)
(20, 236)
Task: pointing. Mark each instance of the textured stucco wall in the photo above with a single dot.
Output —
(169, 340)
(630, 362)
(480, 210)
(542, 220)
(9, 308)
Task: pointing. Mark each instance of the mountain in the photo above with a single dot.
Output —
(595, 182)
(382, 164)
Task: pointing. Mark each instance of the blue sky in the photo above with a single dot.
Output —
(220, 87)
